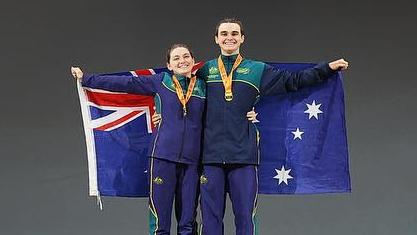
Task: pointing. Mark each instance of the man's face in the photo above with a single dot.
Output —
(229, 38)
(181, 61)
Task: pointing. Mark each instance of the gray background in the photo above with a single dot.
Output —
(43, 171)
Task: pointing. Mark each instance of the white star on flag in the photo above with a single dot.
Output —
(283, 175)
(297, 133)
(313, 110)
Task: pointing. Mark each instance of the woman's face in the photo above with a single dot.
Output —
(181, 61)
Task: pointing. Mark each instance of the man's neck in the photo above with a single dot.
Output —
(225, 53)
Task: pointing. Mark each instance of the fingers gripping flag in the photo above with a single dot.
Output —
(303, 142)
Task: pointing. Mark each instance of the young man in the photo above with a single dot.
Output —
(230, 149)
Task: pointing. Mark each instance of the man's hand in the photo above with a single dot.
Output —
(156, 118)
(77, 73)
(340, 64)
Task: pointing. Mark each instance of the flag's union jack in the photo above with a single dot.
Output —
(124, 108)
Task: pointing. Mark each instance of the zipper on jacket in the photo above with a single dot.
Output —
(225, 108)
(183, 127)
(183, 136)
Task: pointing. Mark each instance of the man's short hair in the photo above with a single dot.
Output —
(229, 20)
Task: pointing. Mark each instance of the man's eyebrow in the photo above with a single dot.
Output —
(234, 31)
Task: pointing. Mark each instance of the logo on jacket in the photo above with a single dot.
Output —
(213, 70)
(203, 179)
(158, 180)
(243, 70)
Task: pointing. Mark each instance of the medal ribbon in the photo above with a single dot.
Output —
(184, 99)
(227, 79)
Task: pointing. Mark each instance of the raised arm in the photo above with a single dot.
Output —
(143, 85)
(276, 81)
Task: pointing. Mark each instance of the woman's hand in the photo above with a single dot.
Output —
(77, 73)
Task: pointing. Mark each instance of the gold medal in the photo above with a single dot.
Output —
(227, 79)
(228, 95)
(180, 94)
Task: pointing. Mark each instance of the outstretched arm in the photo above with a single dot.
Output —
(276, 81)
(143, 85)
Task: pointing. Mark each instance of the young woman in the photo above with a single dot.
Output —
(175, 150)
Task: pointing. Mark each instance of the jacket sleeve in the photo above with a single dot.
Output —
(275, 81)
(142, 84)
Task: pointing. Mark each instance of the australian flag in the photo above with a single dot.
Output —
(303, 141)
(303, 144)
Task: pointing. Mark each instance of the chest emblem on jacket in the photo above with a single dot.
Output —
(243, 70)
(213, 70)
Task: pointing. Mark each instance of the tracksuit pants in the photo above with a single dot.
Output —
(169, 181)
(241, 182)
